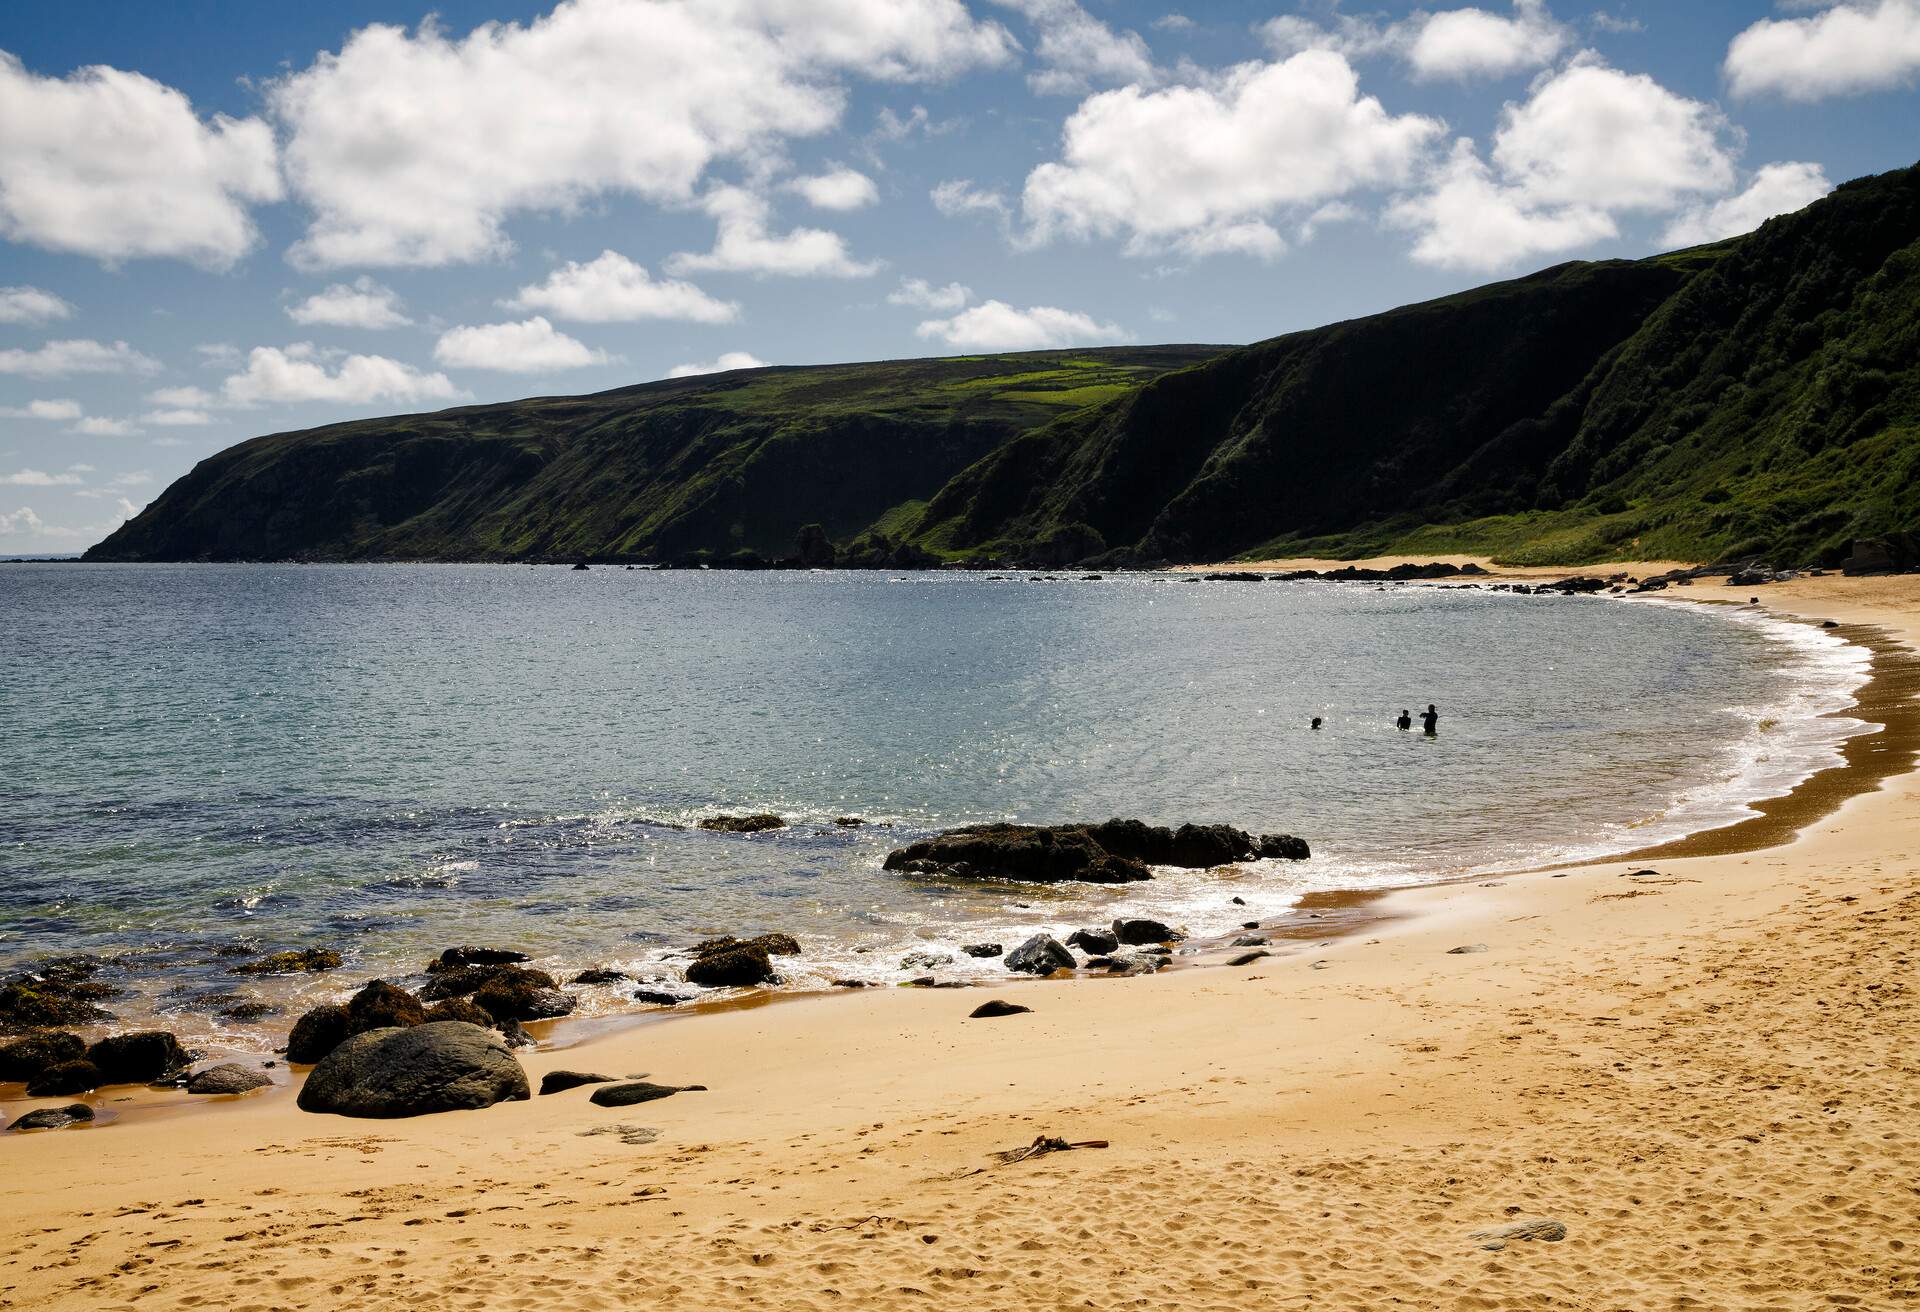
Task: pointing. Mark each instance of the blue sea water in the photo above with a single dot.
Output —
(393, 759)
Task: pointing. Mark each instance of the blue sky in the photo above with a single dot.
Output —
(220, 219)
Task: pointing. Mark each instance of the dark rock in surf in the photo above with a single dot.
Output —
(626, 1095)
(514, 995)
(380, 1005)
(305, 961)
(561, 1081)
(660, 997)
(1248, 941)
(462, 981)
(1283, 847)
(1094, 942)
(33, 1004)
(454, 958)
(64, 1078)
(515, 1035)
(926, 960)
(1029, 853)
(1040, 955)
(601, 976)
(462, 1009)
(228, 1080)
(738, 963)
(56, 1118)
(990, 1010)
(145, 1057)
(1137, 932)
(742, 824)
(439, 1067)
(983, 949)
(25, 1058)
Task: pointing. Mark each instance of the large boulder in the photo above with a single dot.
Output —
(1040, 955)
(318, 1033)
(146, 1057)
(443, 1066)
(25, 1058)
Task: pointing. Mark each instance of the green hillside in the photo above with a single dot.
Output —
(715, 464)
(1760, 396)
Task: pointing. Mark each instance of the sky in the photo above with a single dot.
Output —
(220, 218)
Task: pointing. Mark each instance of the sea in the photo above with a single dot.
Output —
(207, 760)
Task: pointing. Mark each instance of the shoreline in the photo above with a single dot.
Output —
(1697, 1073)
(1890, 698)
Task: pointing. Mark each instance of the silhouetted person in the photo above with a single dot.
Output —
(1430, 721)
(1404, 722)
(1316, 722)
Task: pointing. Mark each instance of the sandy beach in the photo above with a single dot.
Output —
(1704, 1074)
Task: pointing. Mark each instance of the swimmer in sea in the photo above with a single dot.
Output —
(1431, 721)
(1404, 722)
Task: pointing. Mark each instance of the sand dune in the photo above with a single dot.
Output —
(1707, 1076)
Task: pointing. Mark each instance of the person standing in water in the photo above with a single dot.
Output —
(1404, 722)
(1316, 722)
(1431, 721)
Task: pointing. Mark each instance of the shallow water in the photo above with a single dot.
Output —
(392, 759)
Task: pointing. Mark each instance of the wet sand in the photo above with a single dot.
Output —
(1705, 1075)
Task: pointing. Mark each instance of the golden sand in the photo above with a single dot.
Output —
(1707, 1076)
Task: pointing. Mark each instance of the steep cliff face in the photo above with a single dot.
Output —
(1760, 395)
(712, 465)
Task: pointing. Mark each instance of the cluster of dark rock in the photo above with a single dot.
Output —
(1112, 852)
(1102, 947)
(59, 1063)
(738, 963)
(55, 993)
(487, 987)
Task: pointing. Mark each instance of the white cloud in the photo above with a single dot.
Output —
(78, 356)
(100, 426)
(613, 289)
(31, 305)
(414, 148)
(839, 188)
(959, 196)
(80, 469)
(1591, 143)
(1451, 44)
(1850, 48)
(729, 360)
(178, 417)
(1202, 168)
(1776, 189)
(921, 294)
(219, 355)
(37, 478)
(362, 303)
(1605, 22)
(114, 165)
(532, 346)
(297, 374)
(1175, 22)
(997, 326)
(743, 244)
(22, 521)
(1079, 51)
(57, 409)
(187, 397)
